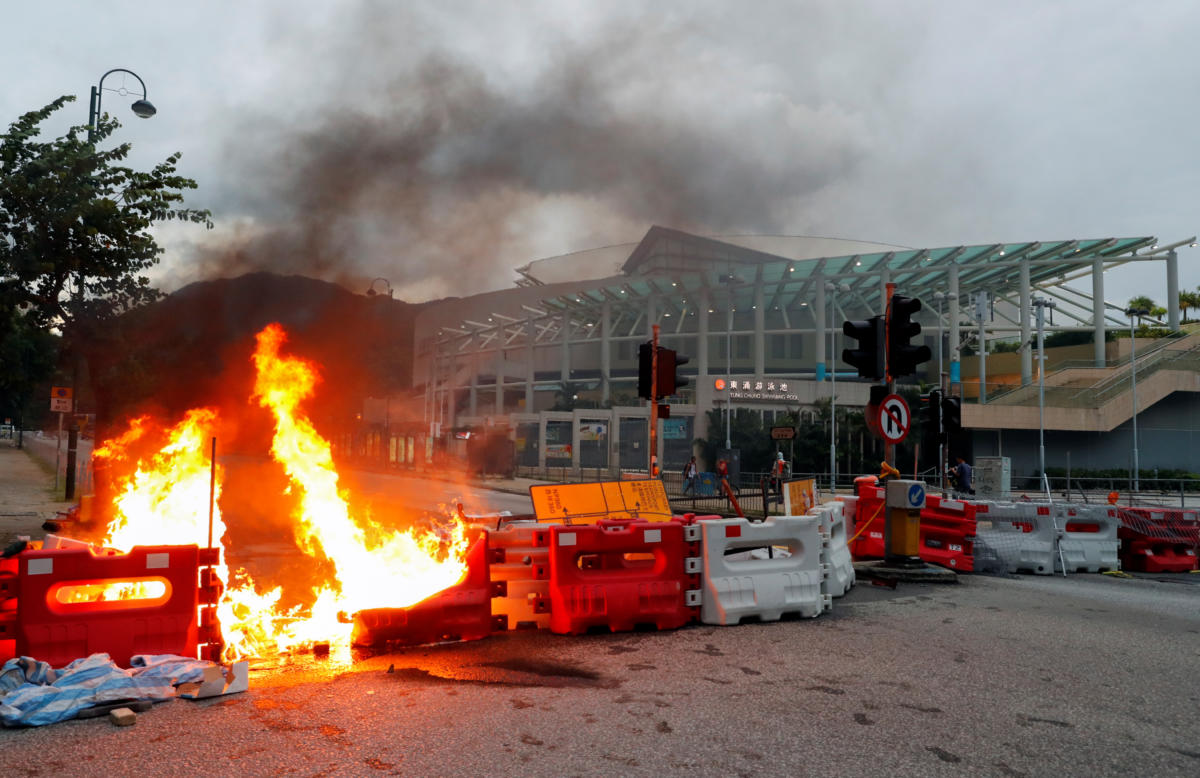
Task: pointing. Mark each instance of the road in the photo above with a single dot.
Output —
(1088, 675)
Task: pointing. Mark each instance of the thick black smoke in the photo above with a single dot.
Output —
(438, 178)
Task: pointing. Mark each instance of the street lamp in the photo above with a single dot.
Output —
(833, 289)
(386, 284)
(729, 279)
(1133, 313)
(142, 108)
(1041, 304)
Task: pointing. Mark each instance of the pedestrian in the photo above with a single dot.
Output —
(722, 469)
(778, 474)
(962, 476)
(689, 476)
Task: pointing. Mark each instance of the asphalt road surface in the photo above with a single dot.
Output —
(1088, 675)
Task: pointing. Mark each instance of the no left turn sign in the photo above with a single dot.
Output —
(894, 418)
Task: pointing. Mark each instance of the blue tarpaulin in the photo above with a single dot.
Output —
(33, 694)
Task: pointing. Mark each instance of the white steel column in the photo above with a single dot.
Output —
(760, 325)
(499, 382)
(473, 404)
(651, 315)
(819, 328)
(565, 368)
(1098, 311)
(1173, 290)
(605, 351)
(530, 336)
(885, 278)
(702, 339)
(954, 314)
(1026, 331)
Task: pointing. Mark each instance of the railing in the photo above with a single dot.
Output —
(1116, 383)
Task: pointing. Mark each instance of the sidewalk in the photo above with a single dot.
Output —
(26, 495)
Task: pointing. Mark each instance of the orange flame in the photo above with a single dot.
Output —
(164, 501)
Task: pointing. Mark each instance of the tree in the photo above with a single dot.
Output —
(1188, 300)
(74, 229)
(28, 355)
(1146, 304)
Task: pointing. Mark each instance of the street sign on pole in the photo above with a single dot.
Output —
(894, 419)
(61, 399)
(783, 433)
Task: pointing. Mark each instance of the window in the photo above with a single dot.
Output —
(778, 346)
(742, 346)
(796, 346)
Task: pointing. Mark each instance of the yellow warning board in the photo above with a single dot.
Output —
(800, 496)
(589, 503)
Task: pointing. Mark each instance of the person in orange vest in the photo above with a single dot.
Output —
(778, 474)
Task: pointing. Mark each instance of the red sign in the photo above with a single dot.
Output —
(894, 419)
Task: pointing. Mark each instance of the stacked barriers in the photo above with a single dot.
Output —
(1159, 540)
(61, 604)
(835, 553)
(948, 533)
(521, 560)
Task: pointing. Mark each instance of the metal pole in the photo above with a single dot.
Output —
(832, 396)
(728, 374)
(653, 403)
(1133, 380)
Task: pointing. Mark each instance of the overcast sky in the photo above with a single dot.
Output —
(441, 144)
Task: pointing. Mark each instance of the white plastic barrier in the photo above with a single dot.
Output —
(1023, 533)
(767, 589)
(835, 553)
(1087, 538)
(850, 513)
(521, 559)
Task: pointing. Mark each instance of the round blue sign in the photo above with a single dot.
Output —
(916, 495)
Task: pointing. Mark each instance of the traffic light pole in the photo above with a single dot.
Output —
(889, 449)
(652, 466)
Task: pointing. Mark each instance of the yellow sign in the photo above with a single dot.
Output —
(589, 503)
(799, 496)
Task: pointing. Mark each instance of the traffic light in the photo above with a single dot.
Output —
(903, 357)
(868, 357)
(645, 370)
(669, 379)
(931, 427)
(951, 415)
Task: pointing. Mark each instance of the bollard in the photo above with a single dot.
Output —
(902, 530)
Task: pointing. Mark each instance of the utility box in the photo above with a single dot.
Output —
(992, 477)
(902, 530)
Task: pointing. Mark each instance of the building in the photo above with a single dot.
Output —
(760, 318)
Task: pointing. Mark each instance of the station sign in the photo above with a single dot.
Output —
(757, 389)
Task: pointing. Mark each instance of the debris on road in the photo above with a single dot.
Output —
(122, 717)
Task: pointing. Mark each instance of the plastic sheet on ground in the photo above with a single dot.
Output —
(35, 695)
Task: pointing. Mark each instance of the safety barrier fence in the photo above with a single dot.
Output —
(1159, 540)
(60, 604)
(1032, 537)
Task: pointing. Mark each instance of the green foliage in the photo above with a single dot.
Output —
(1076, 338)
(75, 226)
(1187, 301)
(28, 356)
(1006, 346)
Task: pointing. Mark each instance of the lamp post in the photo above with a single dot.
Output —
(1133, 313)
(142, 107)
(729, 279)
(833, 289)
(1041, 304)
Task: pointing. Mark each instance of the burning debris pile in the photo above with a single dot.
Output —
(162, 497)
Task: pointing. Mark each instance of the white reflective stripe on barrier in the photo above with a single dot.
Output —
(762, 588)
(1084, 550)
(836, 554)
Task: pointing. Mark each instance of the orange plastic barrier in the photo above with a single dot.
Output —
(620, 575)
(73, 602)
(948, 533)
(461, 612)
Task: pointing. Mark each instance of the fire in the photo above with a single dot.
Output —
(165, 501)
